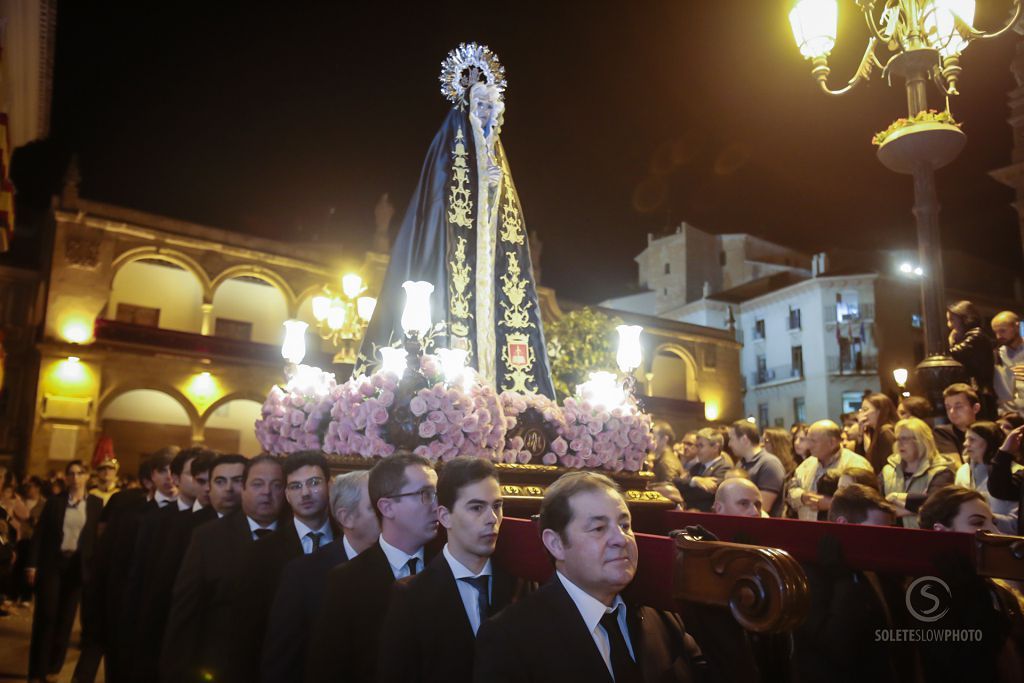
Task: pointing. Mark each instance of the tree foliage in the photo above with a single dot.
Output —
(580, 343)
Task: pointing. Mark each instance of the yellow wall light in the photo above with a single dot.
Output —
(76, 330)
(711, 410)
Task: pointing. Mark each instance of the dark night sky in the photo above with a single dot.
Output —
(622, 118)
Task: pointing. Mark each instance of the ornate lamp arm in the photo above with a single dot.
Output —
(820, 70)
(867, 8)
(981, 35)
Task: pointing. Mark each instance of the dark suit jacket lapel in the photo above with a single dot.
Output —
(579, 644)
(635, 623)
(503, 588)
(449, 598)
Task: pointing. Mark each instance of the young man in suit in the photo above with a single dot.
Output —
(58, 565)
(403, 491)
(301, 588)
(577, 627)
(306, 490)
(431, 626)
(168, 535)
(201, 622)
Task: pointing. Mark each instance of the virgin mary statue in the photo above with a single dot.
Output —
(464, 233)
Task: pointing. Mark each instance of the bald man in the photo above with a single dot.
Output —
(737, 496)
(825, 453)
(1009, 377)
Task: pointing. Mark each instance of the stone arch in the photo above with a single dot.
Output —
(244, 395)
(112, 393)
(260, 273)
(183, 261)
(671, 359)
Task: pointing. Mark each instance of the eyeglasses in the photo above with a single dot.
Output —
(428, 495)
(906, 439)
(314, 484)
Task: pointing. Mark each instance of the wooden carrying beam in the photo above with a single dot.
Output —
(763, 588)
(893, 550)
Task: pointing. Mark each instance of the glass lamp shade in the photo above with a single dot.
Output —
(814, 24)
(336, 315)
(416, 316)
(628, 356)
(393, 360)
(901, 375)
(603, 391)
(293, 349)
(940, 25)
(453, 362)
(321, 305)
(352, 285)
(365, 306)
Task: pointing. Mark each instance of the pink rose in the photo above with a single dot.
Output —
(524, 457)
(559, 446)
(379, 415)
(428, 429)
(418, 406)
(549, 459)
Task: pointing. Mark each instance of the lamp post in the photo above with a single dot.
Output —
(342, 316)
(924, 40)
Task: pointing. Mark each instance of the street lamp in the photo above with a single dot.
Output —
(923, 40)
(342, 316)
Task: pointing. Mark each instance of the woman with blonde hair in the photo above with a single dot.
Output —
(914, 471)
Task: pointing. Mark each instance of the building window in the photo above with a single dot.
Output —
(138, 315)
(915, 321)
(759, 329)
(710, 356)
(848, 308)
(852, 401)
(668, 268)
(797, 358)
(794, 318)
(762, 415)
(666, 291)
(799, 409)
(233, 329)
(762, 369)
(721, 258)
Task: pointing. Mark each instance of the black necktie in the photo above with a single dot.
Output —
(624, 669)
(260, 532)
(315, 536)
(483, 599)
(411, 564)
(697, 470)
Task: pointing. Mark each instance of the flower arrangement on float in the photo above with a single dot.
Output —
(438, 407)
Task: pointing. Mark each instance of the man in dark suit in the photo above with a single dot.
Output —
(301, 588)
(698, 484)
(200, 624)
(577, 627)
(306, 490)
(59, 563)
(103, 602)
(431, 626)
(163, 539)
(403, 491)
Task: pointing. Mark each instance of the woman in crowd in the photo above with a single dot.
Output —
(969, 345)
(915, 470)
(981, 443)
(776, 441)
(801, 446)
(876, 417)
(914, 406)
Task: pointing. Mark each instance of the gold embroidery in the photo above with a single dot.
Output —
(516, 305)
(460, 205)
(458, 296)
(511, 222)
(518, 357)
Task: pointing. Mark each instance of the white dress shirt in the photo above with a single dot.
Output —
(254, 525)
(162, 500)
(307, 543)
(197, 506)
(350, 552)
(467, 591)
(399, 559)
(74, 522)
(592, 609)
(182, 505)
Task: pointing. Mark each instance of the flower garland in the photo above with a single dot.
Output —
(517, 409)
(927, 116)
(293, 416)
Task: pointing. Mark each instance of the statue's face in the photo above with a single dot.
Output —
(482, 104)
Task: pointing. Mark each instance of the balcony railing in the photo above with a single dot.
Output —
(112, 331)
(857, 364)
(779, 373)
(852, 313)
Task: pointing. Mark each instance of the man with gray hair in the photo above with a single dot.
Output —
(825, 454)
(698, 484)
(300, 592)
